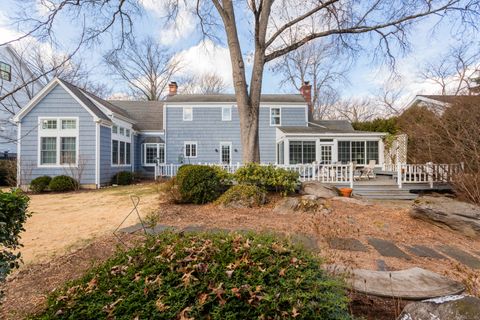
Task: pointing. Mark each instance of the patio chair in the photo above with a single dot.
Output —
(368, 170)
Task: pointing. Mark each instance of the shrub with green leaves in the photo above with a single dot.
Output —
(268, 177)
(40, 184)
(204, 276)
(242, 195)
(13, 214)
(199, 184)
(63, 183)
(123, 178)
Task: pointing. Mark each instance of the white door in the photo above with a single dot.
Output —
(225, 153)
(325, 154)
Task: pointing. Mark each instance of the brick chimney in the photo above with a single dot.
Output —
(306, 92)
(172, 88)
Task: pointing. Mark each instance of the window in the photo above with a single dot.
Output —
(344, 151)
(121, 159)
(49, 124)
(275, 116)
(48, 153)
(114, 151)
(153, 152)
(127, 132)
(302, 152)
(128, 153)
(58, 139)
(226, 153)
(122, 131)
(358, 152)
(5, 71)
(114, 129)
(187, 114)
(326, 154)
(226, 113)
(372, 151)
(190, 150)
(69, 124)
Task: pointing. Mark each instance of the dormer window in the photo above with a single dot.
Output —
(275, 116)
(5, 71)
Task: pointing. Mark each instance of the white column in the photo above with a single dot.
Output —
(286, 150)
(381, 153)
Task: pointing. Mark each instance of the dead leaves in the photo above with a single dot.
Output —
(160, 305)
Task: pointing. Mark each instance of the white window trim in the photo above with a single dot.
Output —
(111, 153)
(144, 153)
(184, 113)
(226, 143)
(185, 149)
(58, 134)
(229, 118)
(280, 116)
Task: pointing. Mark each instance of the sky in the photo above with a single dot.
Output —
(199, 56)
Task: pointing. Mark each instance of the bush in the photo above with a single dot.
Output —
(242, 195)
(199, 184)
(40, 184)
(8, 173)
(170, 191)
(208, 276)
(123, 178)
(267, 177)
(63, 183)
(13, 214)
(467, 187)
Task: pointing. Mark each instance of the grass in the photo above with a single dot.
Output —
(204, 276)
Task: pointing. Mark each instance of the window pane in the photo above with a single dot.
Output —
(372, 151)
(48, 151)
(127, 132)
(128, 153)
(122, 153)
(122, 131)
(344, 151)
(49, 124)
(193, 150)
(69, 124)
(358, 152)
(68, 150)
(5, 71)
(187, 114)
(295, 152)
(114, 129)
(275, 116)
(225, 154)
(308, 152)
(114, 152)
(150, 153)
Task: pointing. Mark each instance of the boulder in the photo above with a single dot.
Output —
(354, 201)
(319, 189)
(457, 307)
(307, 203)
(446, 212)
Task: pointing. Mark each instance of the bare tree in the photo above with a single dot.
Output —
(209, 83)
(455, 72)
(388, 98)
(146, 66)
(314, 62)
(355, 109)
(385, 23)
(76, 170)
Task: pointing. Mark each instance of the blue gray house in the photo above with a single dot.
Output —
(66, 130)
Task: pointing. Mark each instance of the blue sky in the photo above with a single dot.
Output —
(364, 77)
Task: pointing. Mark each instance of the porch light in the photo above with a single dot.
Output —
(216, 150)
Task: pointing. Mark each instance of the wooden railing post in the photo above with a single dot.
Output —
(399, 175)
(351, 174)
(430, 174)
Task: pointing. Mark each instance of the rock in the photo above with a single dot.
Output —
(352, 201)
(318, 189)
(309, 203)
(457, 307)
(445, 212)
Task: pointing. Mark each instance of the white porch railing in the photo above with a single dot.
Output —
(344, 173)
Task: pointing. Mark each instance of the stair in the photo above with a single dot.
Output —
(387, 191)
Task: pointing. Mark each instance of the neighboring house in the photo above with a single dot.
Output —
(438, 102)
(13, 74)
(67, 129)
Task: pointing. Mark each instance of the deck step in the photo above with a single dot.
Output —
(410, 196)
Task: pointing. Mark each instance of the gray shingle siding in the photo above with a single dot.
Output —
(57, 103)
(208, 130)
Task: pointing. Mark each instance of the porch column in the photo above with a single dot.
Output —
(286, 152)
(381, 153)
(317, 150)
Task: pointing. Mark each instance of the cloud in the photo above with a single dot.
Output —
(204, 58)
(180, 28)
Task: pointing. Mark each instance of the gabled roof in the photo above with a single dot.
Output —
(147, 114)
(327, 127)
(218, 98)
(444, 99)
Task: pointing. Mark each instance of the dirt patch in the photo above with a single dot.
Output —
(26, 291)
(65, 221)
